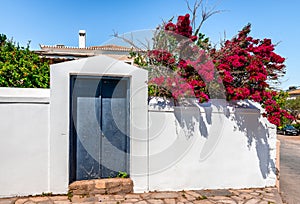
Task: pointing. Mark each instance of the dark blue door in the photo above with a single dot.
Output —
(99, 124)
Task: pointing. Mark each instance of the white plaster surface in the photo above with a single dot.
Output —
(210, 146)
(24, 126)
(59, 116)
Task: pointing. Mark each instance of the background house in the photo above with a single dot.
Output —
(294, 93)
(62, 53)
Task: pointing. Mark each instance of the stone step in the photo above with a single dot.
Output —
(88, 188)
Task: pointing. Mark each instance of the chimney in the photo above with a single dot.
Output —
(81, 38)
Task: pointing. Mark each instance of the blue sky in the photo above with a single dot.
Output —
(53, 22)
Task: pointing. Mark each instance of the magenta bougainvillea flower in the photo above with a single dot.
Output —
(243, 65)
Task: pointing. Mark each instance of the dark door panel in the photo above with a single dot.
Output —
(99, 124)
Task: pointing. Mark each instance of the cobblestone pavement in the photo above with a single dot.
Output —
(228, 196)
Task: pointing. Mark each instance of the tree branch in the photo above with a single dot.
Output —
(130, 42)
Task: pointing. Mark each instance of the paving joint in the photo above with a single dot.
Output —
(267, 195)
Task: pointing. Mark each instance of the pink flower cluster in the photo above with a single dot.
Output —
(244, 64)
(191, 74)
(188, 78)
(161, 56)
(182, 27)
(176, 86)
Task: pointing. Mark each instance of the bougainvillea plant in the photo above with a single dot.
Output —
(184, 65)
(247, 66)
(178, 68)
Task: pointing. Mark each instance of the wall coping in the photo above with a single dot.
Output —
(157, 104)
(24, 95)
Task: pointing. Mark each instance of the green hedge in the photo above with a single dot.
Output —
(20, 67)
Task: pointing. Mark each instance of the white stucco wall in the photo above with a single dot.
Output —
(24, 150)
(210, 146)
(59, 116)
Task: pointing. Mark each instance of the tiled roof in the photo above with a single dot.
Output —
(111, 47)
(63, 53)
(294, 92)
(103, 47)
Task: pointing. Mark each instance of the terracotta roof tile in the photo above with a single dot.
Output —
(102, 47)
(294, 92)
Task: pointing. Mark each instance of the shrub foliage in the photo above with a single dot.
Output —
(20, 67)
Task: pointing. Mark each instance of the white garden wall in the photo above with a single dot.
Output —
(209, 146)
(24, 141)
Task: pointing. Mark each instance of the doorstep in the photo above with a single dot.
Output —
(88, 188)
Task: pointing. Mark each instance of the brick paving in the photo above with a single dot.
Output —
(227, 196)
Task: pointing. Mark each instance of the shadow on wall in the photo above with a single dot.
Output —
(257, 134)
(210, 120)
(246, 119)
(201, 114)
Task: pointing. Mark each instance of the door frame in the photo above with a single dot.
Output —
(72, 128)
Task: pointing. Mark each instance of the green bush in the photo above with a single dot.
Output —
(20, 67)
(297, 126)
